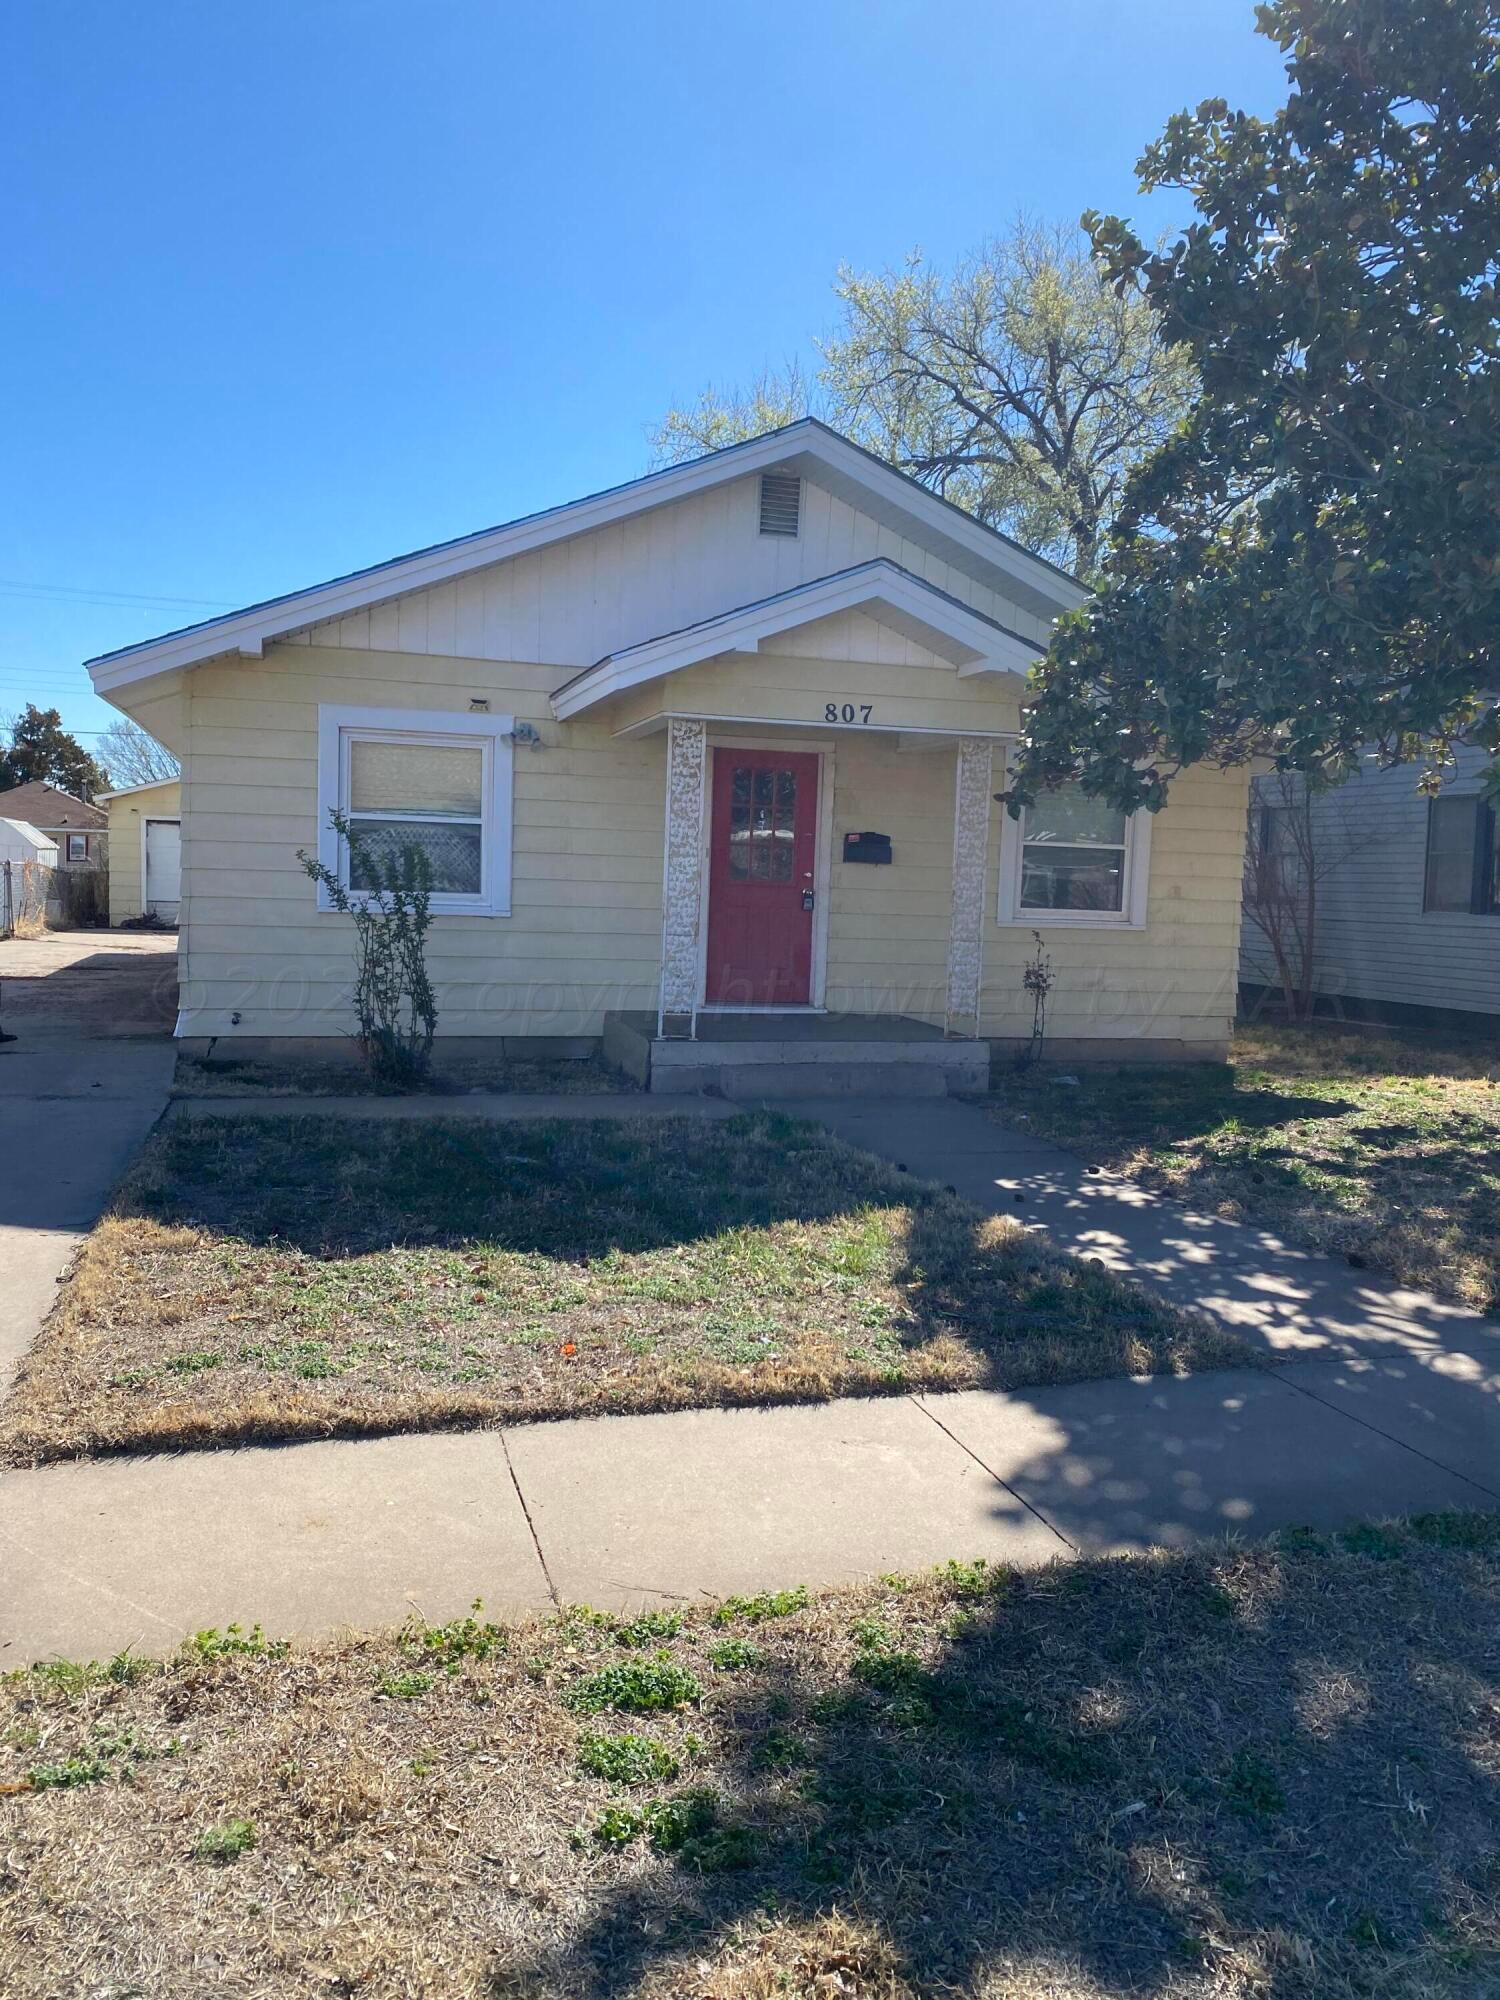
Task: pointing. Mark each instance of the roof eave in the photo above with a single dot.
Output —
(806, 445)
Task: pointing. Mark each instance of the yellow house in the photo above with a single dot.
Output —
(705, 763)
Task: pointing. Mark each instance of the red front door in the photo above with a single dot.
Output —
(760, 879)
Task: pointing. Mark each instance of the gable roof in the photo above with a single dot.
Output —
(910, 604)
(54, 811)
(810, 447)
(129, 791)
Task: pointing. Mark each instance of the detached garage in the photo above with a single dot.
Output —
(145, 851)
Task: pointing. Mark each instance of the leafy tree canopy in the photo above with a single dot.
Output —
(1312, 563)
(41, 748)
(1019, 386)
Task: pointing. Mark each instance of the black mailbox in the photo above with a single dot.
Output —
(871, 847)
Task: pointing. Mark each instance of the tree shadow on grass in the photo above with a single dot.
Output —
(1261, 1772)
(576, 1193)
(571, 1191)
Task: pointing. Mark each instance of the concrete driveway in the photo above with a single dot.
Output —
(81, 1084)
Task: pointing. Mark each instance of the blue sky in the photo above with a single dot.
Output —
(291, 287)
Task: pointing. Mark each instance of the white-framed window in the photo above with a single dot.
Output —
(430, 777)
(1074, 860)
(78, 847)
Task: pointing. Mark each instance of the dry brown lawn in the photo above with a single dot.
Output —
(452, 1075)
(1380, 1147)
(281, 1278)
(1225, 1776)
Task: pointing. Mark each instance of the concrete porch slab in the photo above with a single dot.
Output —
(797, 1055)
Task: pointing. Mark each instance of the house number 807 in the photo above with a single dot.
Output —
(848, 711)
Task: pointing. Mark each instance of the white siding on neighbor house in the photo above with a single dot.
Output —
(671, 566)
(1375, 942)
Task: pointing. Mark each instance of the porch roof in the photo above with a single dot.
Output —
(950, 628)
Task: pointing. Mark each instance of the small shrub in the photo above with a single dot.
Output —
(394, 1003)
(766, 1604)
(617, 1826)
(638, 1687)
(70, 1771)
(1370, 1540)
(226, 1842)
(461, 1639)
(972, 1580)
(234, 1641)
(1253, 1787)
(650, 1628)
(407, 1686)
(1457, 1530)
(735, 1655)
(625, 1759)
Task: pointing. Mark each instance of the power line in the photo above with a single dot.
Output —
(101, 594)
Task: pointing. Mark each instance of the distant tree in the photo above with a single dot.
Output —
(1020, 386)
(41, 748)
(1311, 564)
(728, 416)
(133, 757)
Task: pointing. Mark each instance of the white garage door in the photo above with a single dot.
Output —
(163, 868)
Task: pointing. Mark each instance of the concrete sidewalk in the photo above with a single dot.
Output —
(73, 1113)
(1378, 1401)
(1422, 1371)
(628, 1511)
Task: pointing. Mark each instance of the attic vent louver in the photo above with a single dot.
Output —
(780, 502)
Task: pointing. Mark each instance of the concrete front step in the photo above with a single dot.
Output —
(752, 1082)
(797, 1056)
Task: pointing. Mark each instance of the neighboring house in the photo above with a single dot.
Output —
(145, 841)
(81, 831)
(716, 752)
(1408, 910)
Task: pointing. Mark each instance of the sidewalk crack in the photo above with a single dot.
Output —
(536, 1540)
(990, 1471)
(1390, 1436)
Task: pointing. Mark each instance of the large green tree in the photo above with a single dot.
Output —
(1018, 385)
(1312, 563)
(41, 748)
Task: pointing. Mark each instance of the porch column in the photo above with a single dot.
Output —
(682, 878)
(971, 851)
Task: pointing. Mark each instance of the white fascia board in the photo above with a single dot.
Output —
(128, 791)
(973, 643)
(805, 446)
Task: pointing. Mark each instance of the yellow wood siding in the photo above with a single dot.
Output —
(584, 936)
(126, 815)
(778, 686)
(656, 572)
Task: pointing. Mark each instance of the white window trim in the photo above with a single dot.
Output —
(1131, 916)
(338, 727)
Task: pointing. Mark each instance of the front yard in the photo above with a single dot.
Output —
(1379, 1147)
(1220, 1776)
(282, 1278)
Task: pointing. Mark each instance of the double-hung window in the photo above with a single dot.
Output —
(424, 779)
(1463, 856)
(1072, 859)
(78, 847)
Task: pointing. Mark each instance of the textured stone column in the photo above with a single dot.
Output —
(682, 878)
(971, 852)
